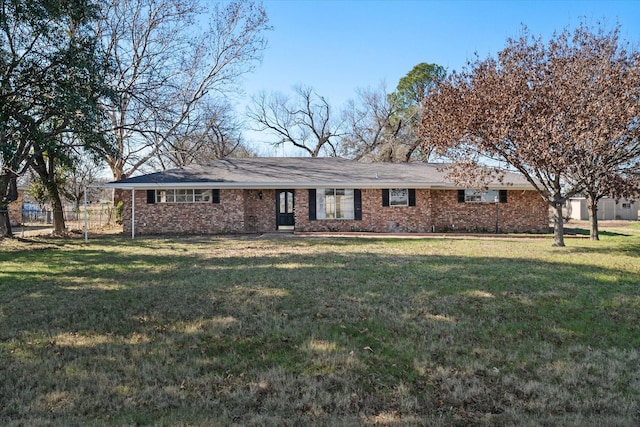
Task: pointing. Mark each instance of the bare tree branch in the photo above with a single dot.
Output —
(305, 122)
(168, 68)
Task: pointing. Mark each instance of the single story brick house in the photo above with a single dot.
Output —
(262, 194)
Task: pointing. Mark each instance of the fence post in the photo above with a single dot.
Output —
(86, 217)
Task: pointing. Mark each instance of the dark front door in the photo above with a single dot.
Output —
(284, 209)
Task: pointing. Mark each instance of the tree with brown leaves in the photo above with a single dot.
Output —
(563, 113)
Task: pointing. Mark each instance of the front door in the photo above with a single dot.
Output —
(284, 210)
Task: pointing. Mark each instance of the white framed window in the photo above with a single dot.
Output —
(481, 196)
(626, 205)
(398, 197)
(335, 203)
(183, 195)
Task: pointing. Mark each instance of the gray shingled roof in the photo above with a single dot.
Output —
(304, 172)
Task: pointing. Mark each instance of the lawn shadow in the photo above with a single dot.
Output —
(576, 231)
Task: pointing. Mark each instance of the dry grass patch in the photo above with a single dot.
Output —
(260, 331)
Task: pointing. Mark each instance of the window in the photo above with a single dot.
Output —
(334, 203)
(183, 195)
(342, 204)
(626, 205)
(482, 196)
(285, 202)
(399, 197)
(201, 196)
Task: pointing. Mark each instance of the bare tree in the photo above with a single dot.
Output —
(548, 110)
(372, 129)
(379, 128)
(85, 171)
(217, 134)
(166, 66)
(306, 121)
(382, 126)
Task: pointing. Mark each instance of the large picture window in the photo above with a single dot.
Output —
(334, 203)
(183, 195)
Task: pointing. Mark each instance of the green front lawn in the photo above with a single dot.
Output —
(320, 331)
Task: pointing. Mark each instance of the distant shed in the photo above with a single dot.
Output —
(608, 209)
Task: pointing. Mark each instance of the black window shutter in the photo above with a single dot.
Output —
(385, 197)
(357, 204)
(502, 196)
(312, 204)
(412, 197)
(215, 195)
(460, 196)
(151, 196)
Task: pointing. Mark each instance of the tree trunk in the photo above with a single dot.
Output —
(118, 174)
(47, 172)
(8, 193)
(59, 226)
(5, 223)
(118, 196)
(592, 207)
(558, 226)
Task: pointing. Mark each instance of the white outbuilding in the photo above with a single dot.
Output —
(608, 209)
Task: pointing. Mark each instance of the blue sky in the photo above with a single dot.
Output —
(338, 46)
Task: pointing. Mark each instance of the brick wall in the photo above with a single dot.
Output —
(239, 211)
(375, 217)
(259, 210)
(244, 211)
(438, 210)
(525, 211)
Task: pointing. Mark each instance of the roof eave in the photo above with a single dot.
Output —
(304, 185)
